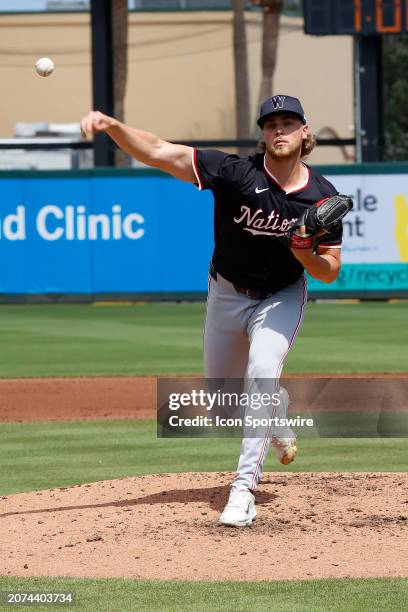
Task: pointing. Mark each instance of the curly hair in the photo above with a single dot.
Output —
(308, 145)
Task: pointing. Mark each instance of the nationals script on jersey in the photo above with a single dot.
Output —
(251, 213)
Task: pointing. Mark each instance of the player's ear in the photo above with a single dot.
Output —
(305, 131)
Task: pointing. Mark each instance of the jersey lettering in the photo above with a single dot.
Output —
(273, 222)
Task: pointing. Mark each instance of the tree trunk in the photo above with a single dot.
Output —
(120, 45)
(272, 10)
(242, 112)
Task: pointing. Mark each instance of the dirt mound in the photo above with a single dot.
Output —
(165, 526)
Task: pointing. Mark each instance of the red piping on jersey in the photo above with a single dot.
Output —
(195, 168)
(273, 179)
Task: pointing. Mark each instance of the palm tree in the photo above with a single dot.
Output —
(272, 10)
(119, 61)
(241, 71)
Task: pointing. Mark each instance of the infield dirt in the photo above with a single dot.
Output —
(309, 525)
(70, 399)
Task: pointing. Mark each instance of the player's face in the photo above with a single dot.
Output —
(283, 135)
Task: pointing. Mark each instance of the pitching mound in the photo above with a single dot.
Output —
(165, 526)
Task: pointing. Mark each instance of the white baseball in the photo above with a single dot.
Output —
(44, 66)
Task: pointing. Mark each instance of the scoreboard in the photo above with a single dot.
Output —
(360, 17)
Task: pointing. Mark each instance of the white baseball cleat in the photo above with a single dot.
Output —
(285, 449)
(240, 509)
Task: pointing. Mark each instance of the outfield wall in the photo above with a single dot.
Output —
(141, 234)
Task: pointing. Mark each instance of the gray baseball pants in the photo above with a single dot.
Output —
(250, 339)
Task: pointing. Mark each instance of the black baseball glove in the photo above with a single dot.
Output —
(321, 218)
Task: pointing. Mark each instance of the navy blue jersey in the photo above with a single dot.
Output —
(251, 212)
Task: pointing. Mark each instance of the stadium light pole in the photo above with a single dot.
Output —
(102, 75)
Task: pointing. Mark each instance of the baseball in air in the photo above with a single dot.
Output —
(44, 66)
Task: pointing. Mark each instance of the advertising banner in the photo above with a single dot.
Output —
(144, 233)
(375, 237)
(97, 235)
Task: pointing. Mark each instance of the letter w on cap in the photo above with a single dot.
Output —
(278, 101)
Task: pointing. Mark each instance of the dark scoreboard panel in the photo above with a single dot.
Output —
(364, 17)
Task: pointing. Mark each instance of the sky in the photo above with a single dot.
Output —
(22, 5)
(29, 5)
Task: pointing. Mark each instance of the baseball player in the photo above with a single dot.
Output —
(273, 219)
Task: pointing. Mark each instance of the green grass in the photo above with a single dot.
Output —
(78, 340)
(48, 455)
(348, 595)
